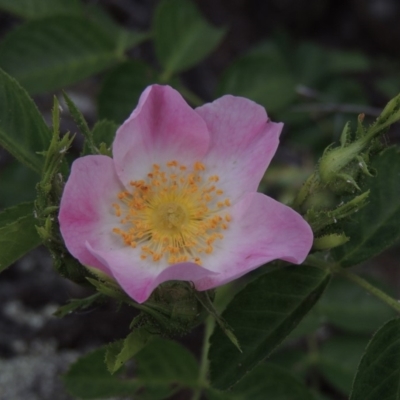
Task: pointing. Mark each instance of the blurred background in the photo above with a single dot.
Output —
(313, 64)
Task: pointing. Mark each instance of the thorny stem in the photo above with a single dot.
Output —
(338, 270)
(202, 380)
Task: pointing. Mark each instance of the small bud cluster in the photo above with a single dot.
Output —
(338, 176)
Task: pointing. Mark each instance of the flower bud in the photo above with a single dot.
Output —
(330, 241)
(334, 163)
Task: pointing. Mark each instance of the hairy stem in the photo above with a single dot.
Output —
(338, 270)
(390, 301)
(202, 380)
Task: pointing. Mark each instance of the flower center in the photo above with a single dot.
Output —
(177, 213)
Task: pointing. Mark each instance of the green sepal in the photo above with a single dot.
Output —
(323, 218)
(209, 306)
(174, 308)
(330, 241)
(109, 289)
(79, 119)
(76, 304)
(118, 353)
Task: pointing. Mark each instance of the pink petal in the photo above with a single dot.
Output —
(261, 230)
(138, 278)
(242, 143)
(162, 128)
(86, 212)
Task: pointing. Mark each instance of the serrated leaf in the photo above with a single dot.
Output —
(23, 131)
(376, 226)
(262, 77)
(338, 360)
(122, 88)
(378, 375)
(351, 308)
(261, 316)
(18, 234)
(119, 353)
(182, 37)
(267, 381)
(32, 9)
(163, 367)
(54, 52)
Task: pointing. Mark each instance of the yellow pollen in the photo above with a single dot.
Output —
(173, 215)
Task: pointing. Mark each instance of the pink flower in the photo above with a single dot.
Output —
(178, 201)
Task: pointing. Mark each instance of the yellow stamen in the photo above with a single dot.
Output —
(173, 215)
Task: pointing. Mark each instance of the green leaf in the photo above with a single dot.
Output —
(339, 61)
(378, 375)
(164, 363)
(122, 88)
(23, 131)
(54, 52)
(182, 37)
(88, 378)
(351, 308)
(261, 316)
(267, 381)
(12, 194)
(261, 76)
(75, 304)
(124, 38)
(338, 360)
(32, 9)
(18, 234)
(376, 226)
(162, 368)
(104, 132)
(120, 352)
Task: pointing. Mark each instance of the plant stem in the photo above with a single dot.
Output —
(390, 301)
(338, 270)
(202, 381)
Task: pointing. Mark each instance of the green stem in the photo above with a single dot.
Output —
(202, 381)
(390, 301)
(338, 270)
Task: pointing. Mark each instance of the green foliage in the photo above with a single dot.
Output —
(121, 89)
(182, 37)
(378, 374)
(53, 52)
(267, 381)
(88, 378)
(76, 304)
(103, 133)
(261, 316)
(377, 226)
(262, 76)
(163, 368)
(10, 193)
(351, 309)
(120, 352)
(23, 131)
(18, 234)
(338, 360)
(32, 9)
